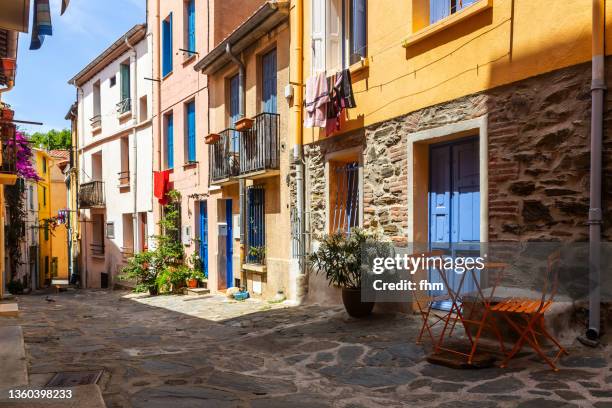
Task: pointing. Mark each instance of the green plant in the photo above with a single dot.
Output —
(140, 269)
(15, 287)
(344, 258)
(172, 278)
(196, 274)
(194, 259)
(257, 254)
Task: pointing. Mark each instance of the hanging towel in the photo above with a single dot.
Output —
(346, 90)
(65, 4)
(317, 96)
(42, 23)
(161, 184)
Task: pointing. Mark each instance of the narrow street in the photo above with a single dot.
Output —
(224, 353)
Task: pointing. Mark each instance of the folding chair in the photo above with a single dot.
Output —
(526, 316)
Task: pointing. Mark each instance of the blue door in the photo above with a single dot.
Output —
(454, 205)
(204, 236)
(269, 82)
(229, 264)
(256, 230)
(234, 109)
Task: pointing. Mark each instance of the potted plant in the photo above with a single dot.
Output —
(257, 254)
(244, 124)
(212, 138)
(6, 113)
(194, 277)
(339, 258)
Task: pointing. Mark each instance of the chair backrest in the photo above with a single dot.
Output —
(551, 280)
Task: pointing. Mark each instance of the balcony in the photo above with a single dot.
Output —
(124, 106)
(91, 195)
(96, 123)
(259, 147)
(9, 149)
(224, 158)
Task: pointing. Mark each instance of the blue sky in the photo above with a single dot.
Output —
(88, 27)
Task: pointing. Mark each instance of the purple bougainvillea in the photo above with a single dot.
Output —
(25, 167)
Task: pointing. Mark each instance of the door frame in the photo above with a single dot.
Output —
(418, 173)
(203, 226)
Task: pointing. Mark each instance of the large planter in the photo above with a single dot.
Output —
(192, 283)
(244, 124)
(212, 138)
(353, 304)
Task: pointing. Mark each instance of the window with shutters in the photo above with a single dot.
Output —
(169, 138)
(167, 45)
(440, 9)
(190, 28)
(339, 34)
(190, 132)
(268, 82)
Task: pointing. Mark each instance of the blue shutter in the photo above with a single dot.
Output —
(438, 9)
(191, 132)
(167, 45)
(269, 82)
(170, 141)
(234, 109)
(358, 35)
(125, 81)
(191, 26)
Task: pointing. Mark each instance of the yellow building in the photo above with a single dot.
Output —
(53, 248)
(480, 106)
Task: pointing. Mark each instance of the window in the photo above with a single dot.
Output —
(31, 197)
(439, 9)
(169, 141)
(124, 175)
(44, 165)
(268, 82)
(190, 131)
(44, 196)
(256, 227)
(113, 81)
(167, 45)
(339, 33)
(143, 109)
(110, 230)
(46, 231)
(97, 102)
(344, 196)
(124, 104)
(234, 109)
(190, 27)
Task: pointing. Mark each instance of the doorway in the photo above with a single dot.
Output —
(454, 205)
(204, 237)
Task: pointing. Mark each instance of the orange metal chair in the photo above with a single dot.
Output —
(526, 316)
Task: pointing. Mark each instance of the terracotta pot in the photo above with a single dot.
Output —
(353, 304)
(8, 114)
(192, 283)
(8, 66)
(212, 138)
(244, 124)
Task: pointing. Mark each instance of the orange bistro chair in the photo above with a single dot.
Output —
(526, 316)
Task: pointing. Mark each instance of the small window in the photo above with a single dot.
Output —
(46, 232)
(44, 196)
(169, 141)
(440, 9)
(167, 45)
(113, 81)
(44, 165)
(31, 197)
(110, 230)
(190, 132)
(143, 109)
(190, 28)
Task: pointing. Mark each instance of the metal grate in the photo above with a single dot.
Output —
(75, 378)
(345, 214)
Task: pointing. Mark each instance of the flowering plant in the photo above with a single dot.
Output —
(24, 166)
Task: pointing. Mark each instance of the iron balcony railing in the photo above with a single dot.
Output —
(97, 249)
(124, 106)
(96, 121)
(91, 195)
(8, 133)
(259, 146)
(223, 156)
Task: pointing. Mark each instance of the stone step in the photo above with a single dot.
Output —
(9, 310)
(198, 291)
(88, 396)
(13, 358)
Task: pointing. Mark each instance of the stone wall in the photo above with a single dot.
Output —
(538, 160)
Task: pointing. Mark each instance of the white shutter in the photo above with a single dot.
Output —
(334, 34)
(318, 35)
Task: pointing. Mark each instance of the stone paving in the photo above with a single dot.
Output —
(183, 351)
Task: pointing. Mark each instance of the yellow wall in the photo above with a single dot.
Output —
(59, 238)
(507, 42)
(44, 212)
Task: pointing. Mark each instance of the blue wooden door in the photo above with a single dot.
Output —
(454, 205)
(191, 132)
(229, 264)
(269, 82)
(256, 227)
(234, 109)
(204, 236)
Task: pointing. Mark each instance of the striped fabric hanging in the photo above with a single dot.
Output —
(42, 23)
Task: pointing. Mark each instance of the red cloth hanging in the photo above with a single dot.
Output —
(161, 183)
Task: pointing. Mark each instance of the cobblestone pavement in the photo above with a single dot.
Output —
(182, 351)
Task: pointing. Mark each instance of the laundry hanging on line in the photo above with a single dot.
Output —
(329, 97)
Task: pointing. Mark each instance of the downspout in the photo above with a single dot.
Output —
(134, 91)
(82, 230)
(242, 182)
(298, 154)
(598, 88)
(157, 75)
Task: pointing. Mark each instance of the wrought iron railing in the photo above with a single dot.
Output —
(124, 178)
(96, 121)
(9, 149)
(223, 156)
(97, 249)
(91, 195)
(124, 106)
(259, 146)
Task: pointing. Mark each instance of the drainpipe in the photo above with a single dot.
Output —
(598, 88)
(82, 224)
(298, 155)
(134, 91)
(242, 182)
(157, 74)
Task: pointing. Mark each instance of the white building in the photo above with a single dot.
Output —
(115, 156)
